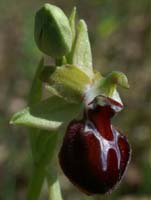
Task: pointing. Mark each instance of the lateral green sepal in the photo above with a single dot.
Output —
(48, 114)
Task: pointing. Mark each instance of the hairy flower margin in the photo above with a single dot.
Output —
(74, 88)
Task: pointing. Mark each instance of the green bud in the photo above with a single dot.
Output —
(53, 34)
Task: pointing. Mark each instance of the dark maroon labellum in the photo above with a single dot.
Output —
(94, 154)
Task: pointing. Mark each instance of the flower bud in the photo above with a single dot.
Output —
(53, 34)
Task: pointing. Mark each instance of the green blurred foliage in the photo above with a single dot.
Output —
(120, 35)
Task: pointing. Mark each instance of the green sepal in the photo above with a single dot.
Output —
(69, 82)
(81, 55)
(53, 34)
(48, 114)
(72, 22)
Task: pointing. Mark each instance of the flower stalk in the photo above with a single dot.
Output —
(54, 190)
(36, 182)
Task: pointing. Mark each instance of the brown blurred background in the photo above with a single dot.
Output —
(120, 34)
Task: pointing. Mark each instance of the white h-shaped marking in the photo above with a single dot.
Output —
(105, 144)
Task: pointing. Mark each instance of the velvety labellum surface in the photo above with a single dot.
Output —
(105, 144)
(94, 154)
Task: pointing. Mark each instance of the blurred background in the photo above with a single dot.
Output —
(120, 35)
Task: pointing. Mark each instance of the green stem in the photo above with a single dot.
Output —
(61, 61)
(53, 186)
(37, 180)
(54, 190)
(39, 172)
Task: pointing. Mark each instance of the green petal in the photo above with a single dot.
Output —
(70, 82)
